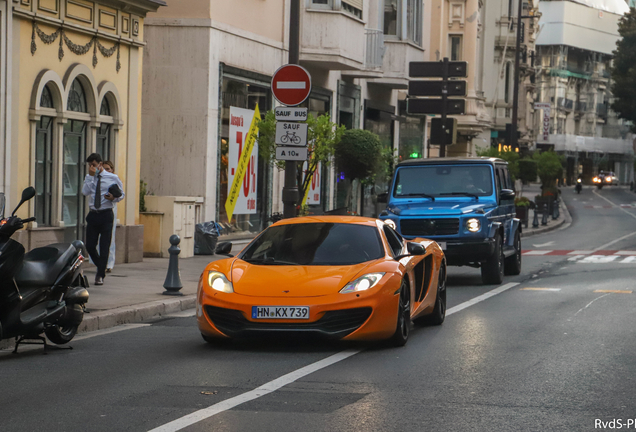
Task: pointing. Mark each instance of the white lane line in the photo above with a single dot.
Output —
(109, 331)
(481, 298)
(537, 252)
(276, 384)
(580, 252)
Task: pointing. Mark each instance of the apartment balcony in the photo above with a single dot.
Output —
(395, 65)
(565, 104)
(373, 59)
(333, 40)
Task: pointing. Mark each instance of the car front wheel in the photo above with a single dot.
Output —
(492, 271)
(403, 328)
(512, 265)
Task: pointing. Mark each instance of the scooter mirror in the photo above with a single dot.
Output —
(27, 194)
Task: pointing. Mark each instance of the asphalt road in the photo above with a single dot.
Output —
(546, 351)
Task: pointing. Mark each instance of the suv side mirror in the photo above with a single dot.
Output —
(507, 195)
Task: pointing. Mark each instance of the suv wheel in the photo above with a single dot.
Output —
(492, 271)
(512, 265)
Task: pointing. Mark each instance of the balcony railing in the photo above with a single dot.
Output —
(375, 48)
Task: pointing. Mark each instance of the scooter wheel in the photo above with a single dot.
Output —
(64, 332)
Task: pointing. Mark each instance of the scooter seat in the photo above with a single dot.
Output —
(42, 266)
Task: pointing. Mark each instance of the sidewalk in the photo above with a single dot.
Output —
(530, 191)
(133, 292)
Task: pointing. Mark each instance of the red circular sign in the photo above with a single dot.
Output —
(291, 84)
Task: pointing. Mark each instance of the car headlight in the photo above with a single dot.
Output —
(473, 225)
(608, 179)
(363, 283)
(595, 179)
(219, 282)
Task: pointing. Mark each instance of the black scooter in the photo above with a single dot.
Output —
(43, 291)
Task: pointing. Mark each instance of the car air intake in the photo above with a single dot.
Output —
(429, 227)
(333, 324)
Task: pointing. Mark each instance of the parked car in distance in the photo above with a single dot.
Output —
(466, 205)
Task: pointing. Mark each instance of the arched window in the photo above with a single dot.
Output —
(77, 98)
(44, 161)
(104, 147)
(507, 83)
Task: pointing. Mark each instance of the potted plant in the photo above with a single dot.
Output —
(522, 206)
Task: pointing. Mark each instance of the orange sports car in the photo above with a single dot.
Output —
(342, 277)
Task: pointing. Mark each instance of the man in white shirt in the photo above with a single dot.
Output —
(100, 219)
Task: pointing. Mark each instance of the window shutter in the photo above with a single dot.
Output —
(354, 3)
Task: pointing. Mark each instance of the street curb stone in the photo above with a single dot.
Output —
(126, 315)
(566, 218)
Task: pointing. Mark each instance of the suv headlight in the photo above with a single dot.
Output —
(473, 225)
(363, 283)
(219, 282)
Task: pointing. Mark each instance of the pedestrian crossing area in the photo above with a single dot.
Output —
(588, 256)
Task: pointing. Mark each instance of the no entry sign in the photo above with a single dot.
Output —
(291, 84)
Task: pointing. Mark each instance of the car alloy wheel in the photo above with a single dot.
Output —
(403, 327)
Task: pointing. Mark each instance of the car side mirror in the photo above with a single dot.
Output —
(383, 198)
(507, 195)
(223, 248)
(415, 248)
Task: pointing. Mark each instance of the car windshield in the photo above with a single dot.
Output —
(315, 244)
(443, 180)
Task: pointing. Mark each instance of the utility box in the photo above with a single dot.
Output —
(179, 216)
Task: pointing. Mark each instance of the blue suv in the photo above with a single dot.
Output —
(466, 205)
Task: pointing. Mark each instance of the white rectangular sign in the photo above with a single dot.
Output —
(291, 153)
(291, 114)
(313, 195)
(545, 130)
(240, 122)
(289, 133)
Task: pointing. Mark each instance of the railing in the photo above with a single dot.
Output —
(375, 48)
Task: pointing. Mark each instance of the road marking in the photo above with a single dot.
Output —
(544, 244)
(626, 253)
(588, 305)
(540, 289)
(291, 377)
(580, 252)
(613, 291)
(537, 252)
(598, 259)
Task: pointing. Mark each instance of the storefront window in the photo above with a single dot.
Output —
(43, 170)
(251, 213)
(411, 138)
(378, 120)
(349, 96)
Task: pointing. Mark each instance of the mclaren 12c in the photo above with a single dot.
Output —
(340, 277)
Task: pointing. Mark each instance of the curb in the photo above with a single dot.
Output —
(128, 314)
(134, 314)
(566, 218)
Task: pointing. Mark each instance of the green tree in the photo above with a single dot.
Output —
(509, 156)
(549, 168)
(624, 69)
(322, 137)
(360, 156)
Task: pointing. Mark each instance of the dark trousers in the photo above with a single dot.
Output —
(99, 227)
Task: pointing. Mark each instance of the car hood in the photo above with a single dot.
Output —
(438, 208)
(291, 281)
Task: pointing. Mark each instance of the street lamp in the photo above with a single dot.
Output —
(523, 5)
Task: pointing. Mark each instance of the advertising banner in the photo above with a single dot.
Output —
(242, 162)
(313, 192)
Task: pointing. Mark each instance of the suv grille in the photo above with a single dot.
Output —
(429, 227)
(333, 324)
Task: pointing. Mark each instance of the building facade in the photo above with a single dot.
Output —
(574, 58)
(499, 48)
(208, 59)
(71, 86)
(457, 33)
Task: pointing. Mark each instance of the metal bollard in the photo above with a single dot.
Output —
(535, 220)
(173, 278)
(555, 210)
(544, 219)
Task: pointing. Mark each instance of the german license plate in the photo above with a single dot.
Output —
(280, 312)
(442, 245)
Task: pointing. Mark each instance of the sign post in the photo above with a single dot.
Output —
(445, 69)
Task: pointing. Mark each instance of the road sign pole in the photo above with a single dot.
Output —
(442, 147)
(290, 190)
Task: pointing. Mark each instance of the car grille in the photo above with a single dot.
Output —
(333, 324)
(429, 227)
